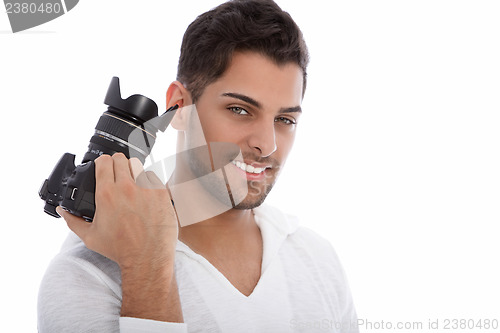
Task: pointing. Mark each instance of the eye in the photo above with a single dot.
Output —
(238, 110)
(286, 121)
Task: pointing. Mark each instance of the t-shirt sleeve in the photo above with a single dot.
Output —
(75, 296)
(349, 320)
(138, 325)
(78, 296)
(324, 259)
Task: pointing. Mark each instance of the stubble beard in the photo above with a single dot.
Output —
(254, 200)
(219, 188)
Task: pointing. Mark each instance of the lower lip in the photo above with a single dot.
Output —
(251, 176)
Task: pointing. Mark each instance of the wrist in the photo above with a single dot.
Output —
(150, 292)
(150, 263)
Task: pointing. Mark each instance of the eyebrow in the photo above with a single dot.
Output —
(290, 110)
(244, 98)
(256, 104)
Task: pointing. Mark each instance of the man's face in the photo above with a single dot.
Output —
(255, 105)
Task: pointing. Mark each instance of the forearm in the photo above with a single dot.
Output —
(135, 225)
(151, 293)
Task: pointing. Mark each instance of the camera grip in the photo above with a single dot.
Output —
(79, 198)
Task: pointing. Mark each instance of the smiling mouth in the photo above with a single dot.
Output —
(249, 168)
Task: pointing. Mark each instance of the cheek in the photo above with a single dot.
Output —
(285, 141)
(218, 129)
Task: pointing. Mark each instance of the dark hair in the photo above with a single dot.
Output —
(238, 25)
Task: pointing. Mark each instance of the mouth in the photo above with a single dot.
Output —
(253, 172)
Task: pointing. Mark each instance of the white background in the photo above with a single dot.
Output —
(396, 161)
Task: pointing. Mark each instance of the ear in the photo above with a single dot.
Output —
(178, 94)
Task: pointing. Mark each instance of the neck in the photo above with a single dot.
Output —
(231, 226)
(232, 243)
(207, 222)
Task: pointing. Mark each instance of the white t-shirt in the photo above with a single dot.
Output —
(302, 288)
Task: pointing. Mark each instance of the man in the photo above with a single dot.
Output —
(140, 267)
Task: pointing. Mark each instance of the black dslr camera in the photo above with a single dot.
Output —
(128, 126)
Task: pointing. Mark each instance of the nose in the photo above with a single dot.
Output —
(263, 139)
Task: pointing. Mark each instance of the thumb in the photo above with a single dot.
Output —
(77, 224)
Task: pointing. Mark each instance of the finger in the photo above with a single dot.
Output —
(121, 167)
(78, 225)
(136, 167)
(154, 180)
(104, 173)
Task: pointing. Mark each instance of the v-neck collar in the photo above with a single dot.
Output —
(274, 227)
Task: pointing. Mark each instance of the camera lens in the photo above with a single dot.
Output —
(125, 127)
(115, 132)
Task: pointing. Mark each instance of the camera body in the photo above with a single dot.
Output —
(128, 126)
(71, 187)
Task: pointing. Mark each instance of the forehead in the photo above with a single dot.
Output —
(257, 76)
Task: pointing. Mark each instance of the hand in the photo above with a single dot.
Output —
(135, 223)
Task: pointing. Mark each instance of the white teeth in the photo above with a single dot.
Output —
(248, 168)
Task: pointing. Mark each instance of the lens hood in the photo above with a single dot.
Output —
(136, 106)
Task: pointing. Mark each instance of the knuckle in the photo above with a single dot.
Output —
(104, 193)
(103, 162)
(128, 188)
(104, 158)
(119, 156)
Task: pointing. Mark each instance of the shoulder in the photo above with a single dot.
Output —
(77, 258)
(318, 250)
(75, 265)
(289, 226)
(296, 237)
(80, 289)
(312, 261)
(312, 238)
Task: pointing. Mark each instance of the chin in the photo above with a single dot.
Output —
(245, 204)
(253, 199)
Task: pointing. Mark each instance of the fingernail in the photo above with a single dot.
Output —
(59, 210)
